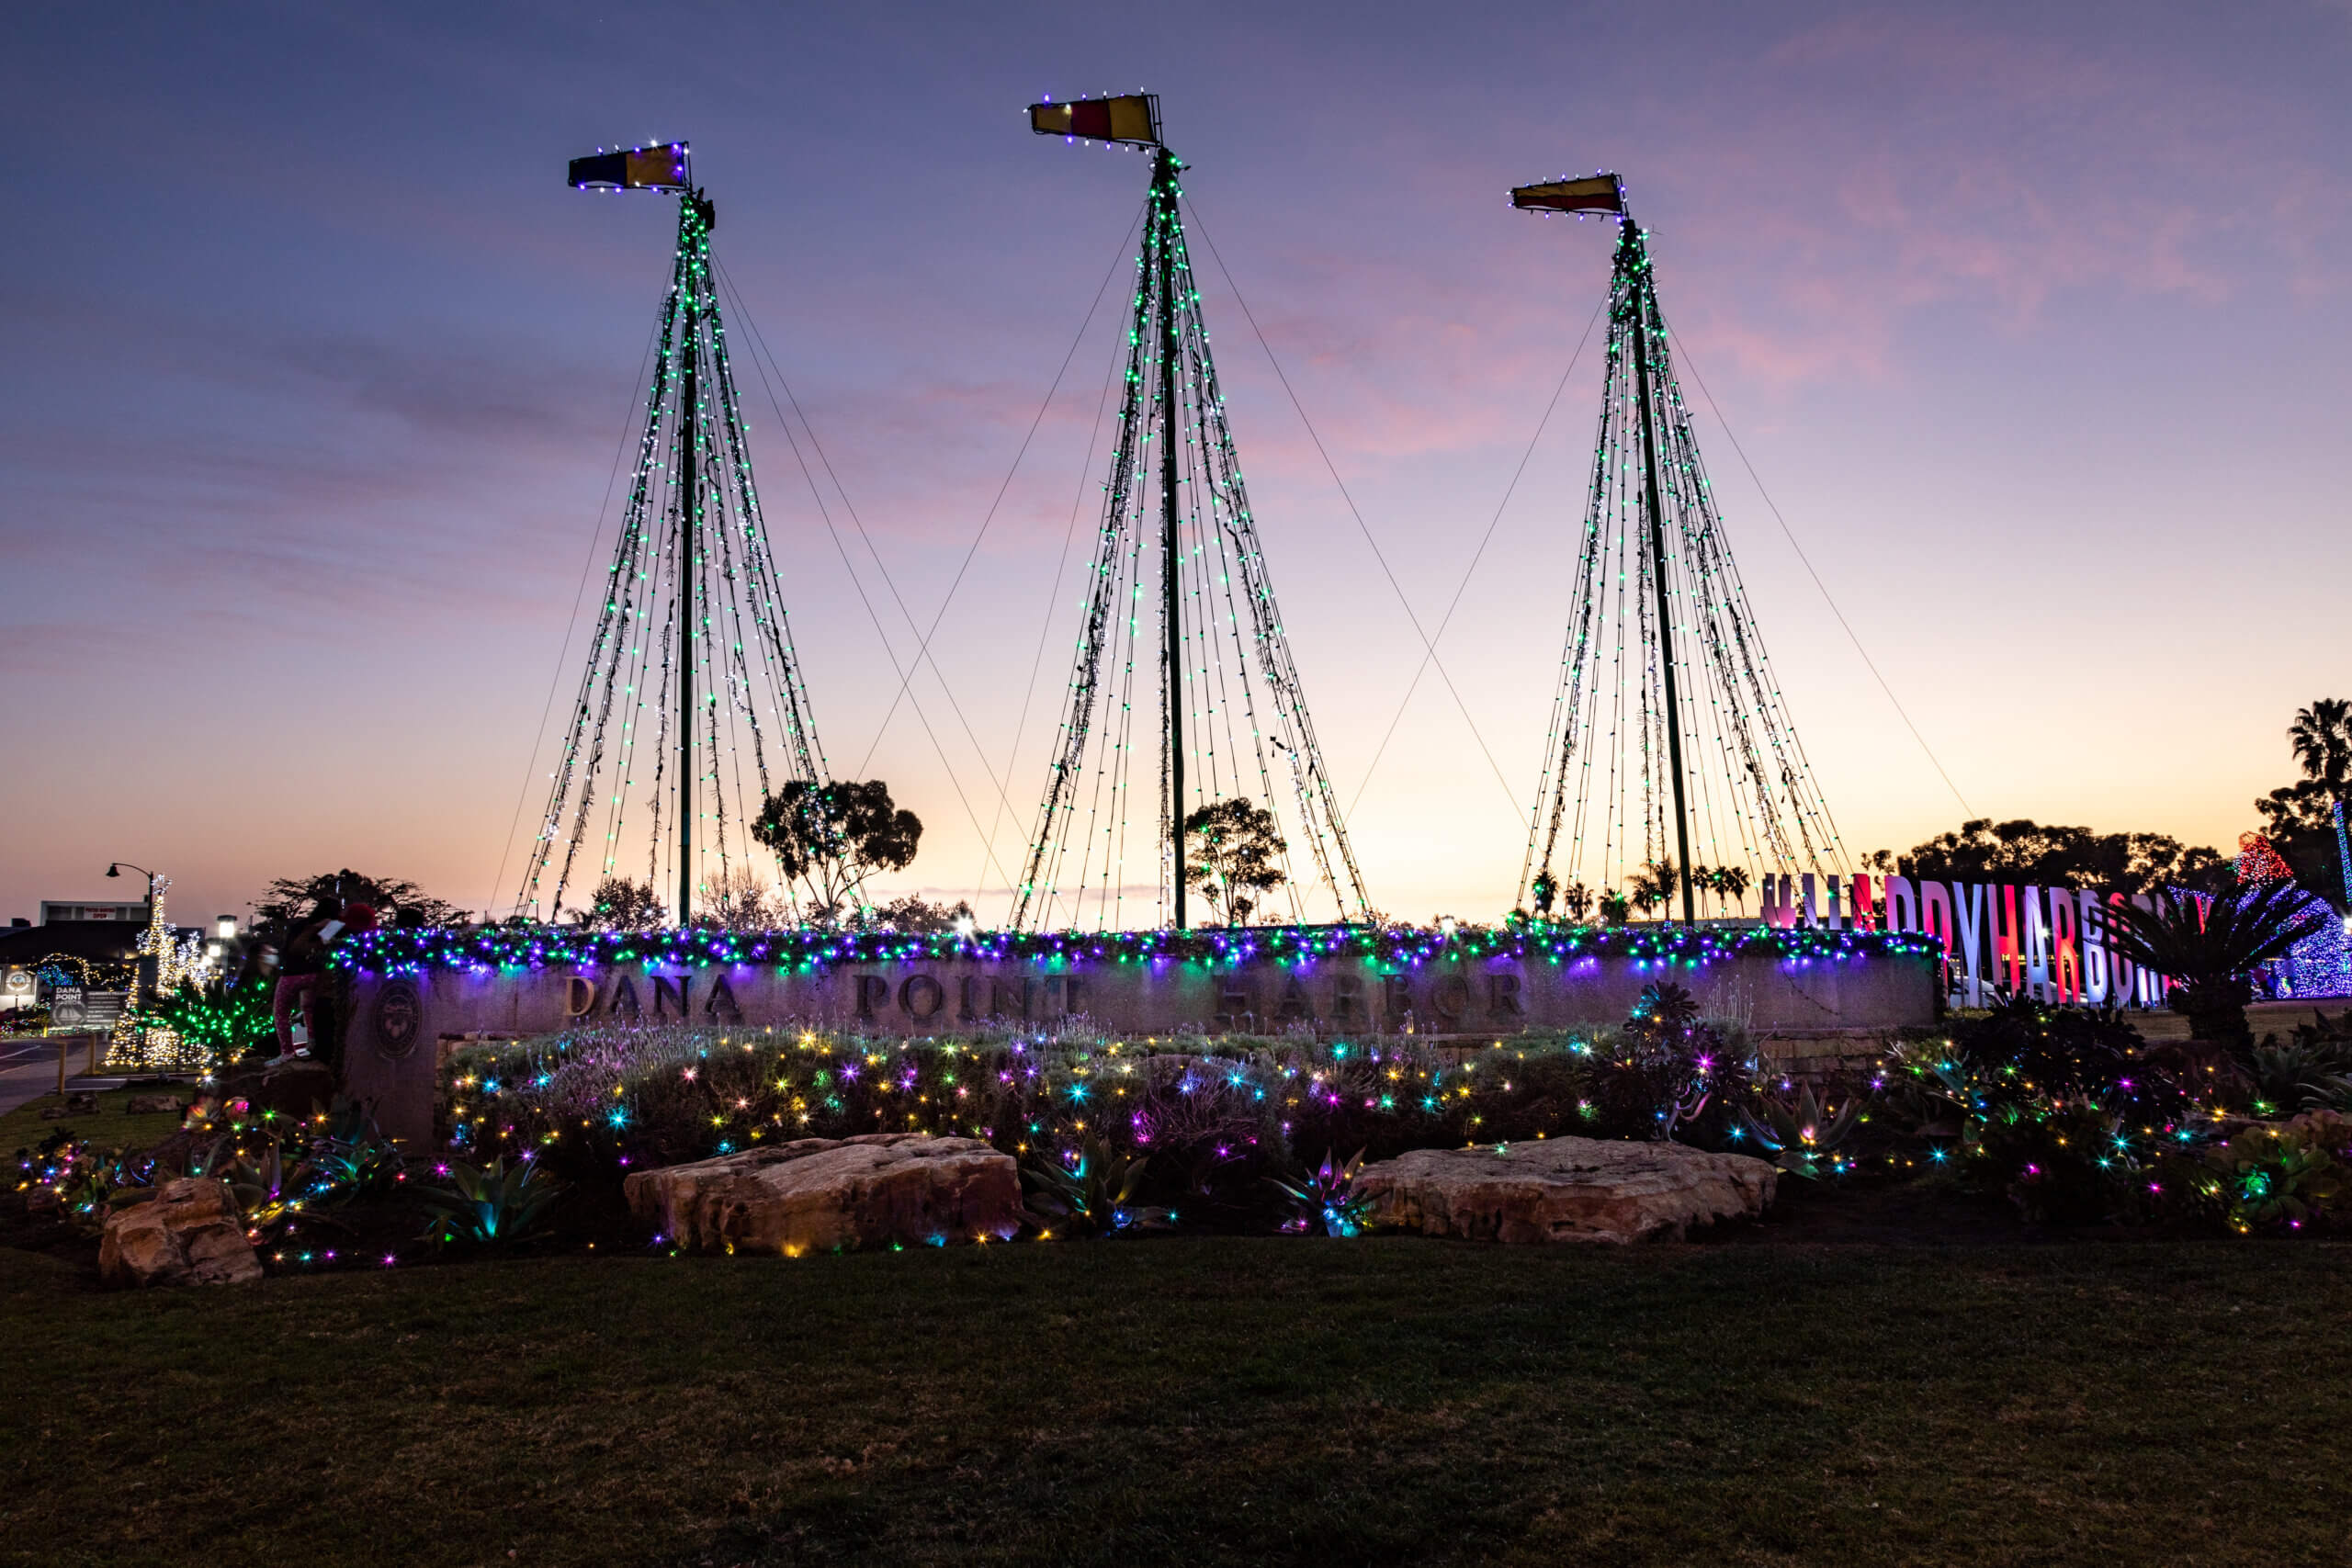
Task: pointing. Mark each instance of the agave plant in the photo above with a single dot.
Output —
(2297, 1077)
(1668, 1062)
(353, 1160)
(1940, 1093)
(255, 1177)
(1093, 1195)
(495, 1203)
(2213, 957)
(1327, 1203)
(1802, 1135)
(1664, 1009)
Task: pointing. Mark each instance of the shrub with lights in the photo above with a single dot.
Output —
(2068, 1116)
(325, 1192)
(2065, 1115)
(1221, 1122)
(215, 1019)
(2059, 1116)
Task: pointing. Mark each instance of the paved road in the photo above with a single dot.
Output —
(2263, 1018)
(28, 1070)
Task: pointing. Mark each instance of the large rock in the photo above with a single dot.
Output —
(1565, 1189)
(815, 1194)
(188, 1234)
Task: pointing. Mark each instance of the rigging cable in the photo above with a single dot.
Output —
(1843, 624)
(1362, 526)
(579, 595)
(1045, 624)
(822, 511)
(1479, 554)
(922, 653)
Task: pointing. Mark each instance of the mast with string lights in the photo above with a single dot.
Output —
(1668, 728)
(692, 634)
(1233, 717)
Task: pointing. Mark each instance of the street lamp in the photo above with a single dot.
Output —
(224, 927)
(116, 870)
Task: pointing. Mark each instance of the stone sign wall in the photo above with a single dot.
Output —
(400, 1021)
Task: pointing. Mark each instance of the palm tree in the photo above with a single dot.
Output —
(1732, 882)
(1710, 879)
(1655, 883)
(2321, 736)
(2212, 959)
(1544, 890)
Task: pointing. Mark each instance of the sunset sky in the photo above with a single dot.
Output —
(2034, 320)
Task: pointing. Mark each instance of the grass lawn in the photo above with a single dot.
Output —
(24, 1128)
(1200, 1401)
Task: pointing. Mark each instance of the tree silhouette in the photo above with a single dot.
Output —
(2024, 850)
(914, 912)
(620, 905)
(1703, 881)
(1544, 890)
(833, 835)
(2322, 737)
(1656, 883)
(2307, 818)
(288, 899)
(741, 902)
(1230, 848)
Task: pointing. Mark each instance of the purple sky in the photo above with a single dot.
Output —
(2035, 320)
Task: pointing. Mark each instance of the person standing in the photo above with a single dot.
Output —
(302, 973)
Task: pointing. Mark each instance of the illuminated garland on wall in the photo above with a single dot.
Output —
(511, 948)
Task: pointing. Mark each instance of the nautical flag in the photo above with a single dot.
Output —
(662, 166)
(1134, 119)
(1594, 193)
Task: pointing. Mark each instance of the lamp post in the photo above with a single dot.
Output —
(116, 870)
(155, 947)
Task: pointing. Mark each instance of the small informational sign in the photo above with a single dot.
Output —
(68, 1008)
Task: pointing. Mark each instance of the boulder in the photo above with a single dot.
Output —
(153, 1105)
(1565, 1189)
(187, 1233)
(815, 1194)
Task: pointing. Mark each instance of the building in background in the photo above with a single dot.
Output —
(54, 911)
(78, 942)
